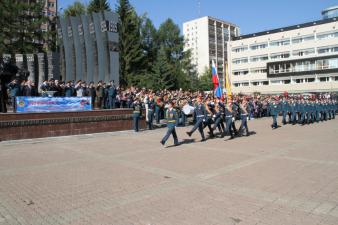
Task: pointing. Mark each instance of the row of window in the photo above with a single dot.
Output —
(285, 55)
(288, 81)
(261, 70)
(304, 66)
(283, 42)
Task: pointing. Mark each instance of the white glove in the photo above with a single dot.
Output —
(203, 120)
(233, 119)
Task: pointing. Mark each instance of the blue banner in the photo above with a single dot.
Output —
(54, 104)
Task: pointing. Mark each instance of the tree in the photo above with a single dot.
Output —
(98, 6)
(21, 23)
(131, 53)
(205, 80)
(149, 43)
(162, 76)
(76, 9)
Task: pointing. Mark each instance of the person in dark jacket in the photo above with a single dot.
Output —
(14, 89)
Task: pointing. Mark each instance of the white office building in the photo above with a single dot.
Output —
(207, 39)
(297, 59)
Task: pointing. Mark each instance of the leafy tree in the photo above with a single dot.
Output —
(21, 23)
(205, 80)
(98, 6)
(76, 9)
(131, 52)
(162, 76)
(149, 43)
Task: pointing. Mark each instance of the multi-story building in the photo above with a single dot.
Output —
(207, 39)
(297, 59)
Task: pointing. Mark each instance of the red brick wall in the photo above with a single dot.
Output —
(54, 128)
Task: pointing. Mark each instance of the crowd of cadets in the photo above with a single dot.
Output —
(302, 111)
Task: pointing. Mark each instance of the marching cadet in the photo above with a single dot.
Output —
(151, 107)
(293, 111)
(171, 117)
(234, 108)
(137, 106)
(244, 110)
(200, 113)
(274, 109)
(312, 111)
(210, 109)
(219, 117)
(301, 109)
(229, 120)
(317, 110)
(284, 109)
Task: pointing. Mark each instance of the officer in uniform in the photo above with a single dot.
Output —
(293, 110)
(229, 120)
(274, 109)
(200, 114)
(171, 117)
(301, 109)
(210, 109)
(137, 106)
(285, 109)
(244, 110)
(112, 95)
(151, 107)
(219, 117)
(317, 110)
(14, 89)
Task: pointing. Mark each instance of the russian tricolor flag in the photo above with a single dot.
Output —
(215, 80)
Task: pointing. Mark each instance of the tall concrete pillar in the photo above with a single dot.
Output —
(42, 68)
(31, 67)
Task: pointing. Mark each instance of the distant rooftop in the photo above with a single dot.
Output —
(294, 27)
(213, 18)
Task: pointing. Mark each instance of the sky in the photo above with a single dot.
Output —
(250, 15)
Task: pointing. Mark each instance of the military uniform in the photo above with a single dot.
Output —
(200, 114)
(151, 107)
(274, 109)
(137, 107)
(172, 117)
(244, 110)
(284, 109)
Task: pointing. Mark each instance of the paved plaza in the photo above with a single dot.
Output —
(288, 176)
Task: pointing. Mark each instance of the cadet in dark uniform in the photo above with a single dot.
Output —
(293, 111)
(14, 89)
(301, 109)
(200, 114)
(274, 109)
(229, 120)
(244, 110)
(151, 108)
(112, 92)
(137, 106)
(171, 117)
(284, 109)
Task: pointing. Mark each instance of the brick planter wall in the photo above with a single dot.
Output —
(36, 125)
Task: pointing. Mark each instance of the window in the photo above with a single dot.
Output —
(324, 79)
(245, 84)
(323, 36)
(259, 58)
(286, 82)
(327, 49)
(255, 83)
(281, 55)
(258, 70)
(240, 72)
(240, 60)
(236, 84)
(279, 42)
(258, 46)
(303, 52)
(240, 49)
(335, 78)
(301, 39)
(310, 80)
(275, 82)
(265, 83)
(299, 81)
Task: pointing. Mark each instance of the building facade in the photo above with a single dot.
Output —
(89, 47)
(297, 59)
(207, 39)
